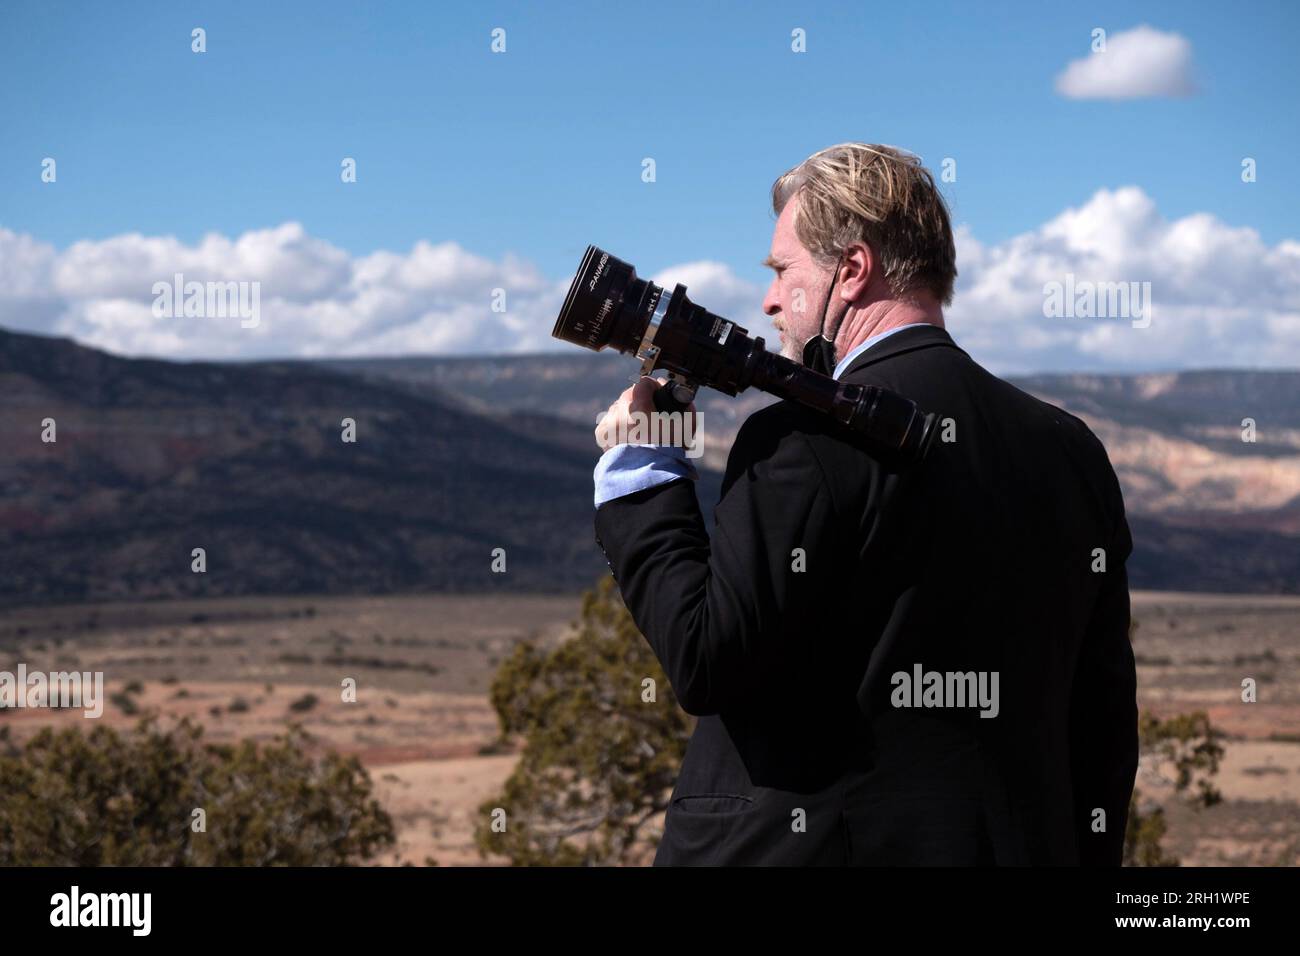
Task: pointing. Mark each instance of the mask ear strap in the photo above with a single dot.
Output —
(835, 277)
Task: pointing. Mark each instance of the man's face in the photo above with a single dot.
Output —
(795, 297)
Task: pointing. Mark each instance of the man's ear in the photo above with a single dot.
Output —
(859, 268)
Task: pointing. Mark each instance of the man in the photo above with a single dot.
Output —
(890, 666)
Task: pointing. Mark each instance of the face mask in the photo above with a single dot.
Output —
(819, 355)
(819, 351)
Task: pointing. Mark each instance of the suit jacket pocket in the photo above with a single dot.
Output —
(701, 829)
(712, 803)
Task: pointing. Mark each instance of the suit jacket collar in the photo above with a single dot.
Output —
(905, 340)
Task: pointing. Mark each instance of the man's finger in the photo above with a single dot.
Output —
(643, 393)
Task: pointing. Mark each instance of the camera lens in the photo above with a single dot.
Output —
(602, 305)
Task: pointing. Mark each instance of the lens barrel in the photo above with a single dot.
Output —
(600, 307)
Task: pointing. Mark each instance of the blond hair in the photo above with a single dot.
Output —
(880, 195)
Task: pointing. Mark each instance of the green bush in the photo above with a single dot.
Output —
(106, 798)
(304, 703)
(1189, 746)
(598, 762)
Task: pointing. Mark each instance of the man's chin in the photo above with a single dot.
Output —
(793, 353)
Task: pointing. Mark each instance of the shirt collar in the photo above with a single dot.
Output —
(872, 340)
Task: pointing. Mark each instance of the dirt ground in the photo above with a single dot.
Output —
(422, 721)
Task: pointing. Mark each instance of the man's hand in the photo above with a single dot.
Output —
(633, 419)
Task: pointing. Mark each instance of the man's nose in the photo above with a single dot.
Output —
(771, 302)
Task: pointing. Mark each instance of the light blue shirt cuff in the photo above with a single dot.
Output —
(625, 469)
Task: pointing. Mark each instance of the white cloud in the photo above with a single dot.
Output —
(1221, 295)
(315, 299)
(1135, 63)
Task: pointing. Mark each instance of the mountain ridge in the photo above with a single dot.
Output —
(458, 456)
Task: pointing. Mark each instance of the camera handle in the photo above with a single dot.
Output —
(678, 391)
(675, 394)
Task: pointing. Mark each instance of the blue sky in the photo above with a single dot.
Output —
(538, 151)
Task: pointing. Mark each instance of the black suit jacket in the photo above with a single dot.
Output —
(830, 571)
